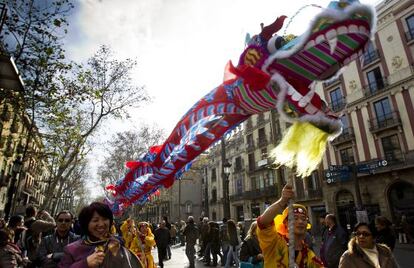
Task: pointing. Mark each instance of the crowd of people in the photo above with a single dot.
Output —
(93, 239)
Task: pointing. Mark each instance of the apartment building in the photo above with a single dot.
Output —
(375, 96)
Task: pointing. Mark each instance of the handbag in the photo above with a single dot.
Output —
(249, 264)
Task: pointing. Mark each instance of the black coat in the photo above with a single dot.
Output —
(387, 237)
(250, 248)
(162, 237)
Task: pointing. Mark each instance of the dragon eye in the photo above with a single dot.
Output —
(275, 43)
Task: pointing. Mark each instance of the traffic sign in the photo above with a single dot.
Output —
(339, 168)
(371, 167)
(335, 176)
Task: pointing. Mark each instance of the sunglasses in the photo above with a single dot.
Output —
(64, 220)
(363, 234)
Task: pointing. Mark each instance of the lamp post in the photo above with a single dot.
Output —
(17, 166)
(225, 171)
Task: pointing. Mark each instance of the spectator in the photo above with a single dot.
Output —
(250, 250)
(234, 239)
(384, 233)
(51, 246)
(225, 241)
(173, 234)
(242, 231)
(334, 244)
(98, 248)
(363, 252)
(10, 254)
(162, 238)
(36, 224)
(213, 245)
(16, 223)
(273, 230)
(191, 233)
(204, 237)
(168, 226)
(182, 237)
(143, 243)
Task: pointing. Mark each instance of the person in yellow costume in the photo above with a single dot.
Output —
(143, 243)
(273, 234)
(128, 232)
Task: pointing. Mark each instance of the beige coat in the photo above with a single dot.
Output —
(355, 257)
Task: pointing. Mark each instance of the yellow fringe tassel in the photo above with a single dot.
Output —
(303, 147)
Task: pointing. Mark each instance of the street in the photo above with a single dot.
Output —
(403, 254)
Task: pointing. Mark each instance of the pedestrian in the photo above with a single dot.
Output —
(273, 231)
(213, 245)
(162, 238)
(363, 252)
(250, 250)
(173, 234)
(182, 237)
(234, 239)
(385, 234)
(242, 230)
(143, 243)
(36, 224)
(191, 234)
(51, 246)
(168, 226)
(97, 248)
(16, 223)
(203, 238)
(334, 244)
(10, 254)
(225, 241)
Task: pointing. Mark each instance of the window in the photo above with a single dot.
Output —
(410, 26)
(347, 156)
(375, 80)
(214, 195)
(213, 175)
(261, 181)
(345, 124)
(370, 54)
(383, 111)
(238, 164)
(392, 149)
(239, 185)
(250, 142)
(251, 162)
(269, 179)
(263, 152)
(255, 210)
(189, 208)
(253, 183)
(262, 134)
(337, 100)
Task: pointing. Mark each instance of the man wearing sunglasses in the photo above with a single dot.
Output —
(51, 247)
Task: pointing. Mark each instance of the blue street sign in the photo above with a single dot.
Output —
(339, 168)
(371, 167)
(335, 176)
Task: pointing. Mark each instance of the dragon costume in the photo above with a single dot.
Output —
(269, 74)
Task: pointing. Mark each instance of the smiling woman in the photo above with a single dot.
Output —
(98, 248)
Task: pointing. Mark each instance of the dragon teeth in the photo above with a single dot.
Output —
(320, 39)
(332, 44)
(353, 28)
(310, 44)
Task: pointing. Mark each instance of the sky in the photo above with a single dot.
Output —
(181, 46)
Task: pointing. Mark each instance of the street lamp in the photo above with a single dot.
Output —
(17, 166)
(226, 173)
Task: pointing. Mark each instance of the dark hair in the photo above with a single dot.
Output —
(30, 211)
(331, 217)
(14, 221)
(224, 220)
(382, 220)
(86, 215)
(64, 212)
(370, 227)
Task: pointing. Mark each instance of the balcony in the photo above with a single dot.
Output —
(269, 191)
(338, 104)
(262, 141)
(370, 57)
(237, 197)
(409, 35)
(375, 87)
(347, 135)
(383, 122)
(331, 82)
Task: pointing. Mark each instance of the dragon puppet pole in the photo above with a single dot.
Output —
(291, 235)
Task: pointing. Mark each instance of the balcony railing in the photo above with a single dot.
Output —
(376, 87)
(338, 104)
(385, 121)
(347, 135)
(409, 35)
(237, 196)
(331, 82)
(370, 57)
(269, 191)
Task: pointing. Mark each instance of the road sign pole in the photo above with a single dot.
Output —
(357, 188)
